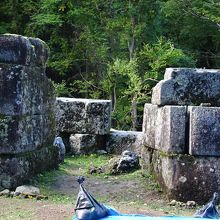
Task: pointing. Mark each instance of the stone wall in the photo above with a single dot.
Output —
(83, 124)
(27, 118)
(182, 133)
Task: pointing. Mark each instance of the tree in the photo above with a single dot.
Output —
(193, 26)
(130, 82)
(16, 14)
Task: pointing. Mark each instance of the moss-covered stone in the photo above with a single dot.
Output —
(25, 90)
(26, 133)
(16, 169)
(185, 86)
(17, 49)
(184, 177)
(83, 116)
(27, 111)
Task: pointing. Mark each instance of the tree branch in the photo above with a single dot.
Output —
(196, 14)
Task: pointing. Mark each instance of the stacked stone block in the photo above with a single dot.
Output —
(27, 118)
(83, 123)
(182, 133)
(120, 141)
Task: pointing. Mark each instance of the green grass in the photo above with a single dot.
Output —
(74, 166)
(10, 211)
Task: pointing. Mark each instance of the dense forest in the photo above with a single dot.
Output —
(117, 49)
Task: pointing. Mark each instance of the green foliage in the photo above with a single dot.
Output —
(193, 25)
(61, 89)
(161, 55)
(133, 80)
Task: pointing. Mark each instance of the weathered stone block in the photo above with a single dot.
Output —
(149, 123)
(86, 143)
(83, 116)
(25, 90)
(17, 49)
(98, 116)
(185, 177)
(27, 117)
(70, 115)
(164, 127)
(15, 170)
(204, 137)
(25, 133)
(170, 129)
(119, 141)
(184, 86)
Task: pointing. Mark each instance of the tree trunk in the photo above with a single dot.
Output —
(131, 42)
(134, 112)
(114, 99)
(131, 48)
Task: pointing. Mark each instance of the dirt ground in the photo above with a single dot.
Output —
(115, 192)
(11, 208)
(127, 194)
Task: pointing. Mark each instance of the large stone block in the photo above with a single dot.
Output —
(27, 115)
(26, 133)
(25, 90)
(119, 141)
(164, 128)
(86, 143)
(98, 116)
(204, 137)
(149, 123)
(84, 116)
(70, 115)
(170, 129)
(185, 177)
(16, 169)
(17, 49)
(184, 86)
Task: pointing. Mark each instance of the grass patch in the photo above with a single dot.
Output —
(73, 166)
(11, 211)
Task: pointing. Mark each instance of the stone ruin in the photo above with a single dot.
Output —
(182, 133)
(180, 142)
(84, 125)
(31, 117)
(27, 118)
